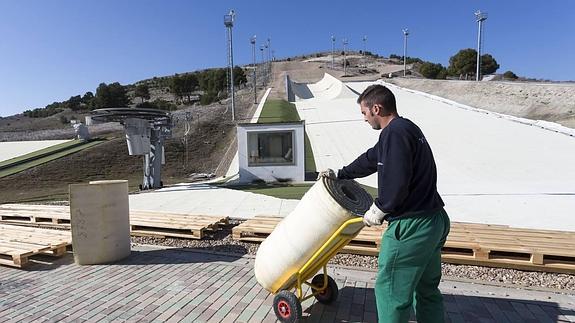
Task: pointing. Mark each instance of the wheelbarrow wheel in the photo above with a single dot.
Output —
(287, 307)
(329, 294)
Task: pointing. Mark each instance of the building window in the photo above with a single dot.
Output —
(270, 148)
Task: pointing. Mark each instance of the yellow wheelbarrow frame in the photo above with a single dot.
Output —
(339, 239)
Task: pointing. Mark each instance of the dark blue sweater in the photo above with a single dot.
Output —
(406, 172)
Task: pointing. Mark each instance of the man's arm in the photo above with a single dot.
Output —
(364, 165)
(395, 173)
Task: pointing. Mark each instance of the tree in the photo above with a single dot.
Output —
(432, 71)
(510, 75)
(74, 103)
(488, 64)
(190, 84)
(177, 86)
(88, 97)
(463, 63)
(213, 80)
(239, 76)
(113, 95)
(142, 91)
(88, 100)
(411, 60)
(184, 85)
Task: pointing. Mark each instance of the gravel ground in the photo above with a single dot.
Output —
(222, 241)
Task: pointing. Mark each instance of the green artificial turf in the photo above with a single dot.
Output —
(286, 191)
(284, 111)
(278, 111)
(45, 155)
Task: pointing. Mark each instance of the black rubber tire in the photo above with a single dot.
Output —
(329, 295)
(287, 307)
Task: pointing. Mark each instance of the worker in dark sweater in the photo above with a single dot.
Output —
(410, 255)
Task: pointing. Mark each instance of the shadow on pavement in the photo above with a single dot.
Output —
(358, 305)
(182, 256)
(156, 256)
(42, 262)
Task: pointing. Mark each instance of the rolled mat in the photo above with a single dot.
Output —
(349, 195)
(322, 210)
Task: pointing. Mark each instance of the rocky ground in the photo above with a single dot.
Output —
(222, 241)
(553, 102)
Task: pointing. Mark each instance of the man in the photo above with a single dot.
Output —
(410, 256)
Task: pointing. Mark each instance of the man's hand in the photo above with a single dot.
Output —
(328, 173)
(373, 216)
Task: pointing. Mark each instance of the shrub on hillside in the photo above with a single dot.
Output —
(49, 110)
(510, 75)
(157, 104)
(432, 71)
(208, 98)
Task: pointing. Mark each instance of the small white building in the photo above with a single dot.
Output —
(271, 151)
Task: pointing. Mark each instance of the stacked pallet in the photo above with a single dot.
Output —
(258, 228)
(159, 224)
(143, 223)
(504, 246)
(467, 243)
(35, 214)
(18, 243)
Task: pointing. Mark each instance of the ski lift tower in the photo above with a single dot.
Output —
(146, 131)
(229, 23)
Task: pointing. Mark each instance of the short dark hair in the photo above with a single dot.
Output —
(378, 94)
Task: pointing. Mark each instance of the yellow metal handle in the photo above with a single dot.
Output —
(335, 235)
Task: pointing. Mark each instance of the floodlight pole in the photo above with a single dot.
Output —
(229, 23)
(263, 64)
(344, 42)
(269, 46)
(480, 18)
(405, 34)
(332, 52)
(253, 42)
(364, 44)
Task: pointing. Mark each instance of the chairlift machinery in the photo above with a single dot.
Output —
(146, 131)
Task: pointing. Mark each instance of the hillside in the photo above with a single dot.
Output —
(539, 101)
(212, 132)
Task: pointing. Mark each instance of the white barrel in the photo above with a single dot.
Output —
(100, 221)
(301, 233)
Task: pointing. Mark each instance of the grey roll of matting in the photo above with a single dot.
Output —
(349, 195)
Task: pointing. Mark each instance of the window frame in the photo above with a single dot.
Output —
(267, 164)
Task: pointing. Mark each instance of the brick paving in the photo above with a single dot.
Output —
(175, 285)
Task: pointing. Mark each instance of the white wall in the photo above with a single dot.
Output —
(13, 149)
(269, 173)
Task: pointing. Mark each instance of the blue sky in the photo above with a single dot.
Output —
(51, 50)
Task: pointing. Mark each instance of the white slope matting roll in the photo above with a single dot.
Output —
(321, 211)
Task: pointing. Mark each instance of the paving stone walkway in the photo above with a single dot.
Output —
(175, 285)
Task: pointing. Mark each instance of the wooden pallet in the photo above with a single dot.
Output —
(467, 243)
(142, 223)
(19, 243)
(504, 246)
(257, 229)
(146, 223)
(37, 214)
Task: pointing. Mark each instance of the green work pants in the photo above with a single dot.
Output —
(410, 268)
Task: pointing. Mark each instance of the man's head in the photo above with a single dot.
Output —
(377, 105)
